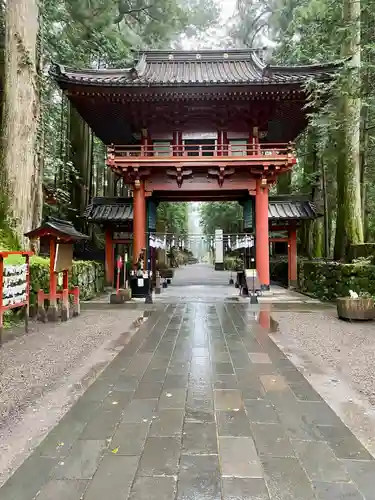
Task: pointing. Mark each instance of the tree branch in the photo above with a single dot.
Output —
(131, 12)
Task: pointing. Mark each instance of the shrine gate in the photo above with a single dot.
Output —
(197, 126)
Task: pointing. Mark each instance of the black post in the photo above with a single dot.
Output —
(148, 299)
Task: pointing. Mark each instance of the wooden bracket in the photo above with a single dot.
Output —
(179, 173)
(220, 173)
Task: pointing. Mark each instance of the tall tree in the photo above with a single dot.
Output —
(100, 33)
(172, 218)
(227, 216)
(349, 228)
(21, 165)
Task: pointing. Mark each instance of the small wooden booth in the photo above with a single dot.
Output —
(57, 236)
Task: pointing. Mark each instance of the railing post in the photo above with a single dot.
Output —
(256, 144)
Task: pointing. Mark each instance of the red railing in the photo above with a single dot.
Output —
(202, 150)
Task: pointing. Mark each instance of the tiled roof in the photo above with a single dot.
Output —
(109, 210)
(291, 210)
(174, 68)
(62, 227)
(121, 210)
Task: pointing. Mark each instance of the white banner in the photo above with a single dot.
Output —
(219, 246)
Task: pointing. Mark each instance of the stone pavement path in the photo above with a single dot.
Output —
(200, 405)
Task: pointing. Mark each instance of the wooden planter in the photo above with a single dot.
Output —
(361, 309)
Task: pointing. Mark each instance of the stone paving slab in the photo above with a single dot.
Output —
(200, 404)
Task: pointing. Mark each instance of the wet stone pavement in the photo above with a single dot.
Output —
(200, 405)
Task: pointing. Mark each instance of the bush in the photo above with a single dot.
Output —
(329, 280)
(232, 263)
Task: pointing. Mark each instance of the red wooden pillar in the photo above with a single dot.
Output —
(139, 219)
(52, 308)
(292, 256)
(261, 234)
(65, 309)
(109, 259)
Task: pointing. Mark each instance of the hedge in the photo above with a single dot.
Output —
(232, 263)
(329, 280)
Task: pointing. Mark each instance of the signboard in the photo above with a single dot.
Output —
(14, 285)
(248, 214)
(15, 293)
(219, 246)
(122, 235)
(252, 280)
(64, 257)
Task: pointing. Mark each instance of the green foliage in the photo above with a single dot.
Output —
(227, 216)
(8, 241)
(301, 32)
(172, 218)
(232, 263)
(329, 280)
(99, 34)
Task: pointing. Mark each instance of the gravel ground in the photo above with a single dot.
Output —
(44, 372)
(347, 348)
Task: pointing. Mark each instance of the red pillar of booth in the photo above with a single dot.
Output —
(292, 256)
(52, 274)
(139, 219)
(261, 234)
(109, 259)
